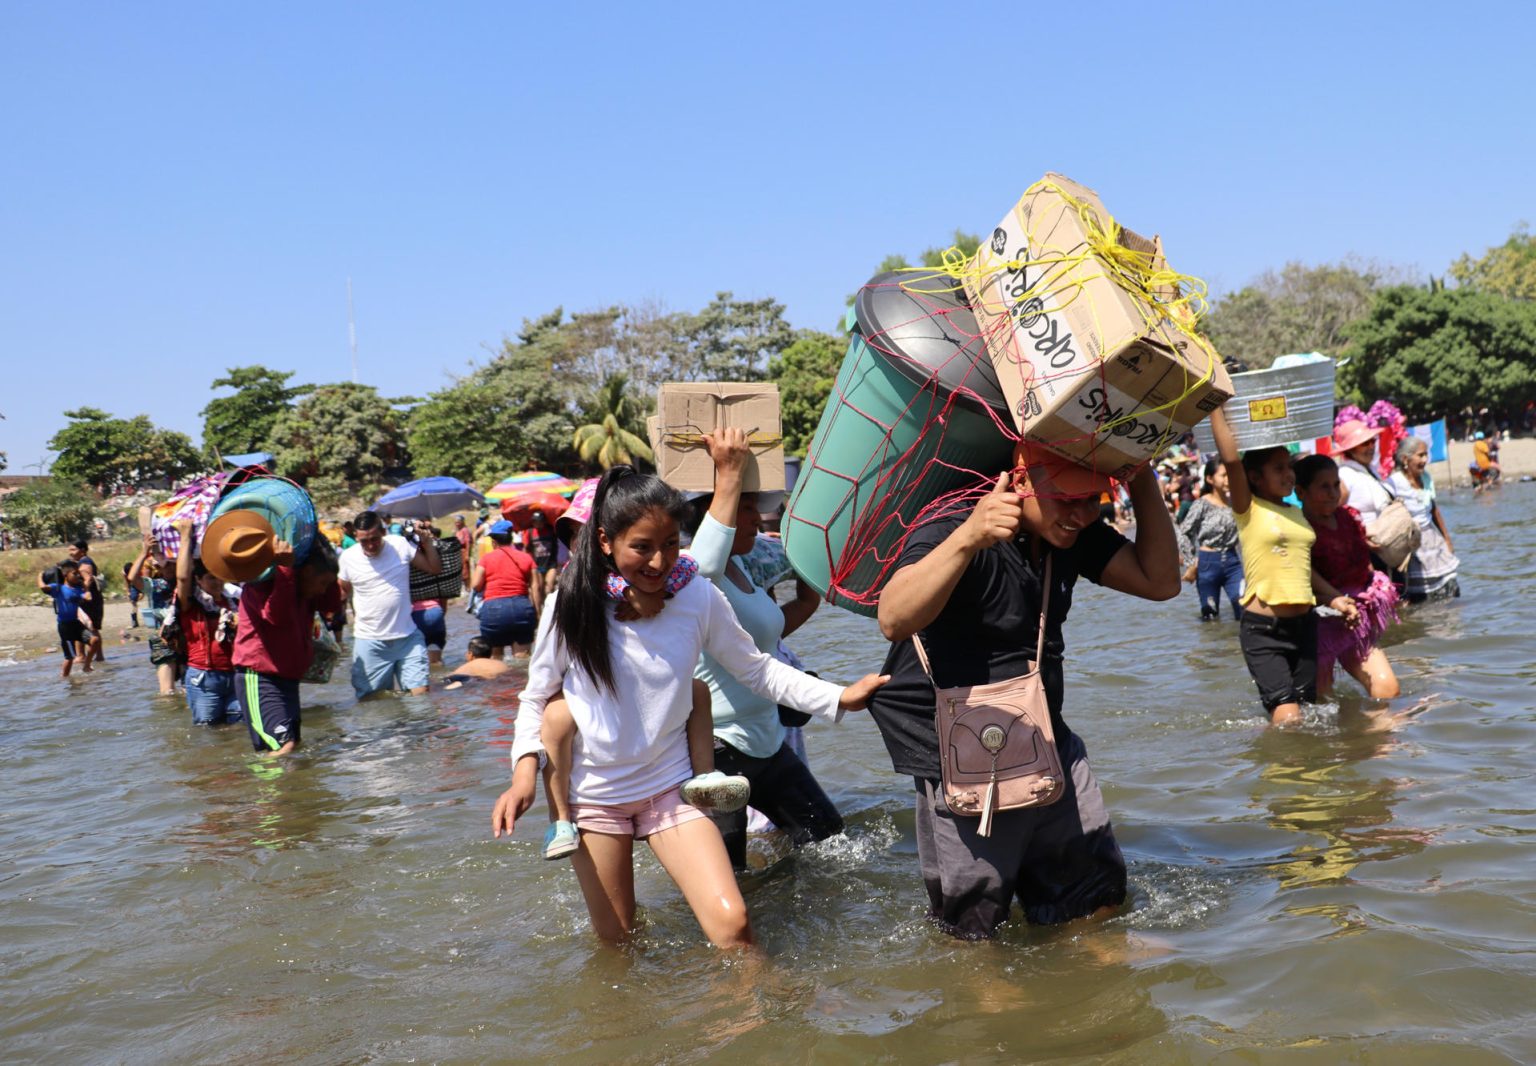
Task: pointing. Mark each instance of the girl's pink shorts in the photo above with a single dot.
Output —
(638, 819)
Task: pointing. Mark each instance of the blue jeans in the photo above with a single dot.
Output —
(212, 696)
(1218, 571)
(433, 625)
(508, 620)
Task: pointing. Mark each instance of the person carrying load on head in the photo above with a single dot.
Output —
(978, 599)
(273, 645)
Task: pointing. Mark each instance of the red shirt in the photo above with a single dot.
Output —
(507, 572)
(275, 625)
(204, 652)
(1341, 555)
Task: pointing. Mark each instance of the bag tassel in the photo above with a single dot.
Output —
(985, 829)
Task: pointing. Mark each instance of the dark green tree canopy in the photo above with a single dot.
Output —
(120, 454)
(805, 373)
(243, 422)
(1436, 351)
(504, 414)
(52, 510)
(346, 434)
(731, 339)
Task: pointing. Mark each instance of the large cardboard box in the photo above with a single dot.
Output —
(1090, 358)
(685, 411)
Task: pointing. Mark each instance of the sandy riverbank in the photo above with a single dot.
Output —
(1516, 458)
(26, 632)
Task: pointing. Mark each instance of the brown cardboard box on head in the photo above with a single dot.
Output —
(1094, 368)
(685, 411)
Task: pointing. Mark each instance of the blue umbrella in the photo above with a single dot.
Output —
(430, 497)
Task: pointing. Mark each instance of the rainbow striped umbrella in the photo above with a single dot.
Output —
(532, 481)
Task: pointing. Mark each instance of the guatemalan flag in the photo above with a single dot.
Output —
(1434, 435)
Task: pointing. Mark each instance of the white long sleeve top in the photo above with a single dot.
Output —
(632, 743)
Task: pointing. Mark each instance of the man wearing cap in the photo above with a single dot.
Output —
(971, 586)
(387, 647)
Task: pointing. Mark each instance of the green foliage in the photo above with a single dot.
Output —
(510, 411)
(117, 454)
(1436, 351)
(806, 372)
(233, 425)
(1298, 309)
(344, 431)
(731, 339)
(616, 432)
(49, 511)
(1507, 270)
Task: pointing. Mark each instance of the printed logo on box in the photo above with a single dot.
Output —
(1268, 409)
(1106, 411)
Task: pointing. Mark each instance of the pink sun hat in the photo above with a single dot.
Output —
(1352, 433)
(579, 512)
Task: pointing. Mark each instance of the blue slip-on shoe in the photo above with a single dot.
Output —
(560, 840)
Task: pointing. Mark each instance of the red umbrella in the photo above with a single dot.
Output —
(519, 509)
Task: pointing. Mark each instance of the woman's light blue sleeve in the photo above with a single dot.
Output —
(711, 547)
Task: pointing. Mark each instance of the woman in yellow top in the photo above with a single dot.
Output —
(1278, 631)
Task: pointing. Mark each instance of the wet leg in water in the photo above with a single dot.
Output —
(694, 855)
(605, 868)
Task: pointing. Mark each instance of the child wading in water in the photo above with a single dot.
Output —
(1278, 631)
(630, 690)
(1342, 558)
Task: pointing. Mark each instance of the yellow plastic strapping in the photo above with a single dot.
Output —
(1128, 268)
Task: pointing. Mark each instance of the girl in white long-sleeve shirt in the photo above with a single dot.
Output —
(629, 686)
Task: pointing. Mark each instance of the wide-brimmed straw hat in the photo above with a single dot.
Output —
(238, 546)
(1052, 475)
(1353, 433)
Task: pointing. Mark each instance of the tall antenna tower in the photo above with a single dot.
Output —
(352, 331)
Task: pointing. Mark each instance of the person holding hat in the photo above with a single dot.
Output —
(972, 585)
(513, 593)
(273, 635)
(375, 574)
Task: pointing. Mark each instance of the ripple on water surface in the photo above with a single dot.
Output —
(1336, 893)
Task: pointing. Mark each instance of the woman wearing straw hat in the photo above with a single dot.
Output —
(273, 646)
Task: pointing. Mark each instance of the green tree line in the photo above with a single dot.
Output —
(571, 392)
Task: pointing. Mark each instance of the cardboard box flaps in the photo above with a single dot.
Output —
(1093, 368)
(685, 411)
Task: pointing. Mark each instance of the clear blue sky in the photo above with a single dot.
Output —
(187, 187)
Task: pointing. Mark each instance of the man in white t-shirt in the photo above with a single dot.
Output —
(387, 648)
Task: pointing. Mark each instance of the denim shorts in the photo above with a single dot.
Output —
(508, 620)
(433, 623)
(212, 696)
(381, 664)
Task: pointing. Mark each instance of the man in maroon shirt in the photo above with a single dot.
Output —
(272, 643)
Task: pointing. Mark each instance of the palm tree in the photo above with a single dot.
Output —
(608, 441)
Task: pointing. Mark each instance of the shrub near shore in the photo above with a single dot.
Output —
(19, 570)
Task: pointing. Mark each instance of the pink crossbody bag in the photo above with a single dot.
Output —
(997, 750)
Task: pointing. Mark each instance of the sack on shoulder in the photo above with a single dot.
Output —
(1396, 534)
(997, 748)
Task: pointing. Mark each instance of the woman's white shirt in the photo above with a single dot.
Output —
(631, 743)
(1366, 492)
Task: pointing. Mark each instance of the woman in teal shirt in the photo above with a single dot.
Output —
(749, 737)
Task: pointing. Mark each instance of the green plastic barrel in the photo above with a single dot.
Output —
(914, 427)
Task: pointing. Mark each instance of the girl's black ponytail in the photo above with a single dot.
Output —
(623, 496)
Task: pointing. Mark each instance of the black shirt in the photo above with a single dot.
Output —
(985, 633)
